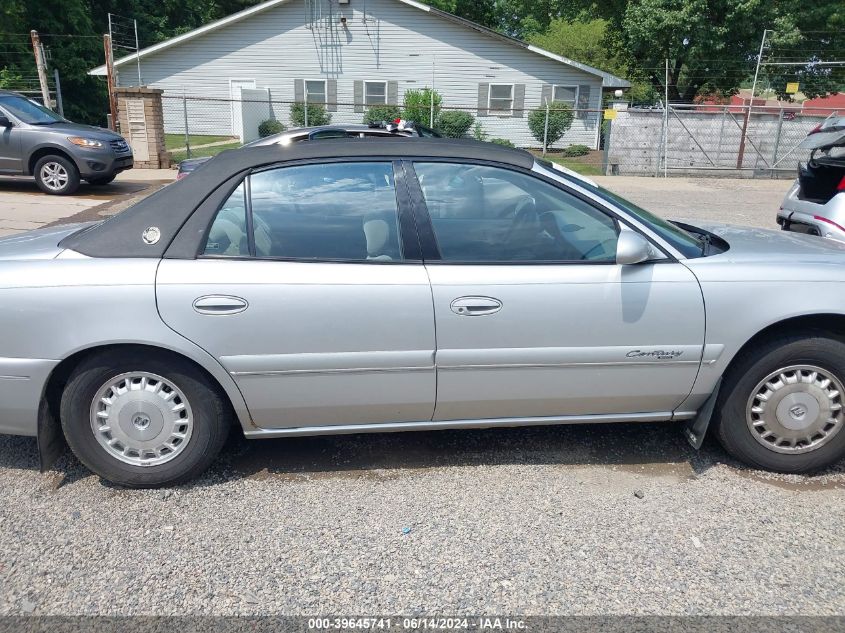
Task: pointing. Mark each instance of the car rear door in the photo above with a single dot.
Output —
(312, 297)
(534, 318)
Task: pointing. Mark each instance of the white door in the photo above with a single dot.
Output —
(235, 87)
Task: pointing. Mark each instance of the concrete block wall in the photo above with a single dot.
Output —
(706, 142)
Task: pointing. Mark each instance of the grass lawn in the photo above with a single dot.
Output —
(174, 141)
(204, 151)
(589, 165)
(585, 169)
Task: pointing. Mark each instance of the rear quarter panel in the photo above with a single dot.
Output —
(51, 309)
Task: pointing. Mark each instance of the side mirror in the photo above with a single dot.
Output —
(632, 248)
(4, 121)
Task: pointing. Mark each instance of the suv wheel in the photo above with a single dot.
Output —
(56, 175)
(782, 407)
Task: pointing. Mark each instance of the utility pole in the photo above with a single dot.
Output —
(59, 102)
(137, 53)
(741, 154)
(666, 123)
(110, 80)
(42, 68)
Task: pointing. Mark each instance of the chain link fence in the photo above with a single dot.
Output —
(709, 140)
(204, 126)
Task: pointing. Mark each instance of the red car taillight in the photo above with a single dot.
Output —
(841, 185)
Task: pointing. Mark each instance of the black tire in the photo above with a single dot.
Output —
(104, 180)
(71, 180)
(212, 417)
(813, 348)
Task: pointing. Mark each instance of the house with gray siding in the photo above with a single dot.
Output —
(353, 54)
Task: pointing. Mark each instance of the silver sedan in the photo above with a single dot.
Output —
(357, 286)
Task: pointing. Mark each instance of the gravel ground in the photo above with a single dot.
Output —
(609, 519)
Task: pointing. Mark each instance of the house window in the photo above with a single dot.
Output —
(567, 94)
(501, 98)
(315, 91)
(375, 93)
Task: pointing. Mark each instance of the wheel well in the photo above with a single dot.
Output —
(831, 324)
(47, 151)
(61, 373)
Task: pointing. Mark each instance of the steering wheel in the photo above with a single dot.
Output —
(524, 218)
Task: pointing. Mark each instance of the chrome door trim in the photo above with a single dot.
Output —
(428, 425)
(349, 370)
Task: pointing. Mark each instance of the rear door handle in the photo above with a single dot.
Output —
(475, 306)
(219, 304)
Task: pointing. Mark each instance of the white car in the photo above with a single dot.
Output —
(815, 204)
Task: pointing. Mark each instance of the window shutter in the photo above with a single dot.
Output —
(299, 90)
(583, 101)
(547, 94)
(358, 96)
(483, 98)
(392, 93)
(518, 101)
(331, 95)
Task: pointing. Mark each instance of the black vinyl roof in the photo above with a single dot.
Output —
(169, 208)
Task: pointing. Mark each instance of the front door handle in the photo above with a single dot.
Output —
(219, 304)
(475, 306)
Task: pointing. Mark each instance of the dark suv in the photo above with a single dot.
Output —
(35, 141)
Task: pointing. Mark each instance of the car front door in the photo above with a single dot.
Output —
(309, 294)
(534, 317)
(10, 147)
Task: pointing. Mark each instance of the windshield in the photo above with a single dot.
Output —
(29, 111)
(684, 242)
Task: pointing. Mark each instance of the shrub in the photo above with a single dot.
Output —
(455, 123)
(576, 150)
(478, 132)
(270, 127)
(502, 141)
(317, 114)
(560, 120)
(418, 105)
(377, 114)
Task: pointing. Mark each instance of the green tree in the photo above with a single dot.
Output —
(317, 115)
(560, 120)
(377, 114)
(418, 105)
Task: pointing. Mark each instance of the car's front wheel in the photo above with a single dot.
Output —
(142, 419)
(56, 175)
(781, 404)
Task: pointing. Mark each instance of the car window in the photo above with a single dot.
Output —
(228, 234)
(491, 214)
(338, 211)
(29, 111)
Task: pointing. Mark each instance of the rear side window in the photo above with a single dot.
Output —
(336, 212)
(228, 235)
(490, 214)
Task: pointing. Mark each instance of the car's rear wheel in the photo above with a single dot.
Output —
(782, 405)
(104, 180)
(141, 419)
(56, 175)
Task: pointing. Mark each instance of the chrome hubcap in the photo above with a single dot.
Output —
(54, 176)
(796, 409)
(141, 419)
